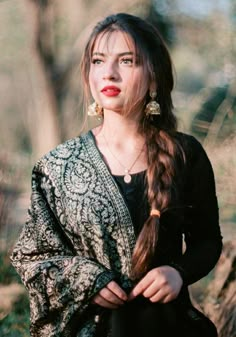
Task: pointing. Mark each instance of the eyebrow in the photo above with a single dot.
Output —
(120, 54)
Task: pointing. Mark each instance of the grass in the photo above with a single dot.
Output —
(14, 322)
(7, 272)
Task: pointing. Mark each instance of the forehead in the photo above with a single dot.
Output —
(113, 43)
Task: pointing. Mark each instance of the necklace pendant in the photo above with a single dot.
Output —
(127, 178)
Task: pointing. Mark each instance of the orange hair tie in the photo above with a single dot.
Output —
(155, 212)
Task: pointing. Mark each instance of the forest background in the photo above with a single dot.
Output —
(41, 42)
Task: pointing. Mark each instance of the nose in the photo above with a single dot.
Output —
(110, 71)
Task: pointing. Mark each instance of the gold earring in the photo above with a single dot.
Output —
(153, 107)
(95, 110)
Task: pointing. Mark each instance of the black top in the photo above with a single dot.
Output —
(194, 190)
(134, 194)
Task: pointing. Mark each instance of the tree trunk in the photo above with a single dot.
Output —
(55, 85)
(220, 302)
(44, 125)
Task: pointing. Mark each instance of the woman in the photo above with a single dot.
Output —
(102, 247)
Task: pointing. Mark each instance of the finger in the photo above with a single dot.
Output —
(162, 296)
(108, 295)
(158, 296)
(140, 287)
(103, 302)
(117, 290)
(150, 291)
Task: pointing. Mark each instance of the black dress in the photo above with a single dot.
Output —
(140, 317)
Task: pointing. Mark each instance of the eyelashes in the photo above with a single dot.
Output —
(124, 60)
(96, 61)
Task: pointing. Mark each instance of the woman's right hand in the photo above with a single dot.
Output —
(111, 296)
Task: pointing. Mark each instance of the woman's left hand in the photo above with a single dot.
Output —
(161, 284)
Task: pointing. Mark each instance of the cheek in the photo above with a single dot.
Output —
(91, 79)
(92, 83)
(138, 84)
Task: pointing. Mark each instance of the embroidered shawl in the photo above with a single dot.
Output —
(79, 236)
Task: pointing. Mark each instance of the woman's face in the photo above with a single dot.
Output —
(116, 74)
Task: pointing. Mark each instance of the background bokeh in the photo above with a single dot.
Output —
(41, 42)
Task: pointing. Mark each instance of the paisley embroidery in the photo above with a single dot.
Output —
(78, 230)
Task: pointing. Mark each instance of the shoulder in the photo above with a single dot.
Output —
(191, 145)
(188, 141)
(195, 154)
(63, 153)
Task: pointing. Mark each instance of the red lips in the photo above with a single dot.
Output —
(110, 90)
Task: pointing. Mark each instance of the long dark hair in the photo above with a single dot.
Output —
(163, 149)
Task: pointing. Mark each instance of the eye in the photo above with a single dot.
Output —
(97, 61)
(127, 61)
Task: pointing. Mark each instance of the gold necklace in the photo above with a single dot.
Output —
(127, 176)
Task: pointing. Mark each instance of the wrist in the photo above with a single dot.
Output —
(181, 272)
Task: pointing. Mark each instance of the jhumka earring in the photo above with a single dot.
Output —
(95, 110)
(153, 108)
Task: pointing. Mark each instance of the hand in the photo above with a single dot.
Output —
(161, 284)
(111, 296)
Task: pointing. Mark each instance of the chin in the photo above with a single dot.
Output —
(113, 108)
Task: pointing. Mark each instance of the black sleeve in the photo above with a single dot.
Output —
(202, 232)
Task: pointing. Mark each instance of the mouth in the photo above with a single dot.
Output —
(110, 91)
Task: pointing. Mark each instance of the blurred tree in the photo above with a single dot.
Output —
(205, 53)
(219, 303)
(217, 116)
(45, 129)
(159, 15)
(55, 85)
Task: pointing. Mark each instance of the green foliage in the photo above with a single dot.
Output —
(16, 323)
(7, 272)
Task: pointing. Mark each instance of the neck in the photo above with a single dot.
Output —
(121, 131)
(122, 145)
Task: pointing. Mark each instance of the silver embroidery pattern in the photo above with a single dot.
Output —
(77, 238)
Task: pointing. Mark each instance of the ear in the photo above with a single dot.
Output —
(153, 87)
